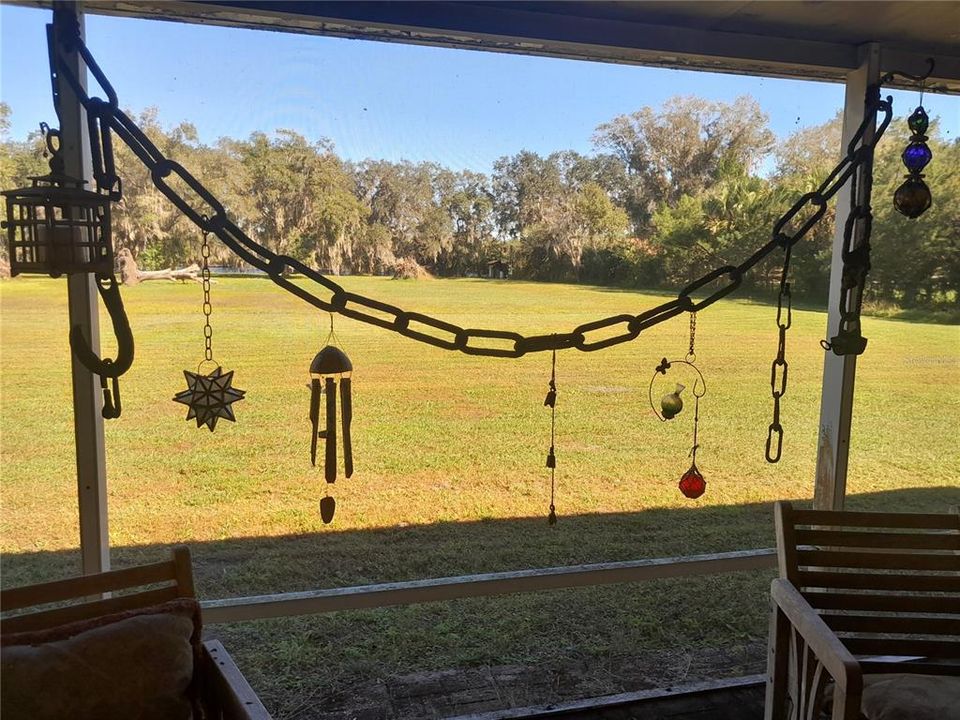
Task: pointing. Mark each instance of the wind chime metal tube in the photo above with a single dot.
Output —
(330, 434)
(346, 417)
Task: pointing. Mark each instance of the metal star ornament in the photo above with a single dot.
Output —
(209, 397)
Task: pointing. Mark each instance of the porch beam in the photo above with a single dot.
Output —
(839, 371)
(641, 35)
(313, 602)
(83, 311)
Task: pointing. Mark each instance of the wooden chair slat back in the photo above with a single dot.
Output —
(871, 574)
(175, 575)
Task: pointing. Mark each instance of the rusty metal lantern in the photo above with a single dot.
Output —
(55, 227)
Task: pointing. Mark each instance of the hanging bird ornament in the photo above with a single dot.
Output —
(671, 404)
(209, 396)
(331, 367)
(691, 484)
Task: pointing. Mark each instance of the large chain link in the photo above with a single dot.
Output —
(206, 211)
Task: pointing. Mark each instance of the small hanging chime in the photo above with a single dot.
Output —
(691, 484)
(331, 367)
(209, 396)
(551, 402)
(912, 198)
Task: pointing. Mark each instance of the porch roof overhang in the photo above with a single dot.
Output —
(803, 39)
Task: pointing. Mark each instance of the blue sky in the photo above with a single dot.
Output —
(460, 108)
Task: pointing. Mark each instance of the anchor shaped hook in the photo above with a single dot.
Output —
(107, 367)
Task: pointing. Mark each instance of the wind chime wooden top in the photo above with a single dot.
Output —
(331, 360)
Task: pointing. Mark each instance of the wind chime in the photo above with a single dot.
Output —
(209, 396)
(913, 198)
(331, 367)
(691, 482)
(550, 401)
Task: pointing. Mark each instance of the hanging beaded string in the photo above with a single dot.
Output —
(691, 357)
(551, 402)
(692, 483)
(696, 423)
(207, 307)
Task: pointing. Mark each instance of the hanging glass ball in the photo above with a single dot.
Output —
(912, 197)
(916, 156)
(692, 483)
(918, 122)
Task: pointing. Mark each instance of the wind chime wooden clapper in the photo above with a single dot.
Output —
(691, 482)
(209, 396)
(331, 367)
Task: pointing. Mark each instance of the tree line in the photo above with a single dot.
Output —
(667, 194)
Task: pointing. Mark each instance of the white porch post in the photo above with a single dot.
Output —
(836, 400)
(83, 309)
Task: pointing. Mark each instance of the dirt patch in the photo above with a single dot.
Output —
(460, 691)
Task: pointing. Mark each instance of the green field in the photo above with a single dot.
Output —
(450, 477)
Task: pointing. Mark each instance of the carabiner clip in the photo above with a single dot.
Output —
(111, 401)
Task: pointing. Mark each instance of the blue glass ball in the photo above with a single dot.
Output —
(916, 156)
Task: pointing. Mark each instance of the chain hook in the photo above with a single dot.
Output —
(107, 367)
(110, 294)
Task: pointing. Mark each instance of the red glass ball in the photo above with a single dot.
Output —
(692, 483)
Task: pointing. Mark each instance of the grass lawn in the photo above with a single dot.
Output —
(450, 472)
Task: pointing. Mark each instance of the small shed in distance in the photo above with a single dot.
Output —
(498, 269)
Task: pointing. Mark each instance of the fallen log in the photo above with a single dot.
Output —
(130, 274)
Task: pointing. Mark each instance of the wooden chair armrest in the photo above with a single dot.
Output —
(225, 687)
(843, 667)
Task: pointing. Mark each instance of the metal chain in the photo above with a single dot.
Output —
(778, 368)
(691, 355)
(856, 249)
(857, 166)
(105, 116)
(207, 307)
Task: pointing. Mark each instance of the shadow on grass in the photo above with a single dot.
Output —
(332, 558)
(482, 654)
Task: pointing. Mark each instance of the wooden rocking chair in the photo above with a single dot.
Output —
(866, 610)
(222, 691)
